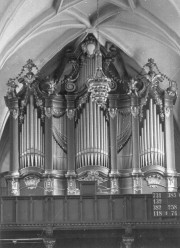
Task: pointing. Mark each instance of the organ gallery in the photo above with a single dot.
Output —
(84, 128)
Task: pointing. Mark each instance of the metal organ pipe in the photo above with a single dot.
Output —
(155, 134)
(145, 143)
(152, 138)
(35, 135)
(92, 137)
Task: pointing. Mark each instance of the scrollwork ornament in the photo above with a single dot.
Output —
(70, 87)
(135, 111)
(113, 85)
(112, 112)
(71, 113)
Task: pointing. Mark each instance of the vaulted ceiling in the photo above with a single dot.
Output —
(38, 30)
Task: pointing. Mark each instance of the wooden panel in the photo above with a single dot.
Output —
(38, 210)
(138, 208)
(9, 210)
(118, 207)
(73, 210)
(88, 188)
(23, 211)
(79, 209)
(103, 209)
(59, 213)
(88, 209)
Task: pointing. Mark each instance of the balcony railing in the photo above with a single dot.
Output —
(67, 212)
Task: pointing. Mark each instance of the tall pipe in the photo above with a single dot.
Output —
(28, 135)
(31, 117)
(145, 141)
(151, 133)
(25, 140)
(148, 137)
(155, 135)
(158, 142)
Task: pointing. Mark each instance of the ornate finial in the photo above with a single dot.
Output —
(12, 85)
(28, 73)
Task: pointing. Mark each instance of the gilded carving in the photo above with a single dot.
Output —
(71, 113)
(72, 189)
(49, 185)
(15, 187)
(31, 182)
(112, 112)
(135, 111)
(114, 185)
(14, 112)
(132, 88)
(154, 180)
(167, 111)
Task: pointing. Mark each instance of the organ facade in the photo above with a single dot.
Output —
(85, 123)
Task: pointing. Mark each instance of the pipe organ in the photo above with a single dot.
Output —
(92, 147)
(152, 138)
(31, 137)
(91, 125)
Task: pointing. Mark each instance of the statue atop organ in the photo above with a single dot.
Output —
(88, 123)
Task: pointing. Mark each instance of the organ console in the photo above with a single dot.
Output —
(61, 138)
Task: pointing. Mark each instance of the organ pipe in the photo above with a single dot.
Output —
(31, 137)
(92, 130)
(152, 138)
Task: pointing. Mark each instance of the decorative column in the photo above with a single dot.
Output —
(71, 174)
(135, 113)
(170, 97)
(14, 137)
(113, 143)
(12, 103)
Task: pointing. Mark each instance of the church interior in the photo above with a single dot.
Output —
(89, 124)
